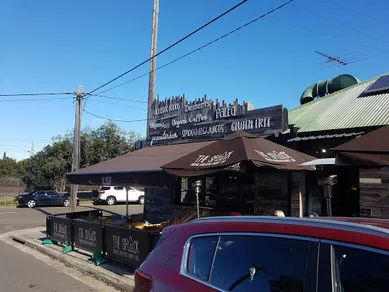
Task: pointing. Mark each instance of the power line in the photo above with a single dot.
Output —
(335, 37)
(120, 105)
(114, 120)
(118, 98)
(171, 46)
(37, 99)
(355, 11)
(35, 94)
(203, 46)
(341, 24)
(26, 139)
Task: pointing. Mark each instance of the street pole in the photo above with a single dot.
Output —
(76, 147)
(153, 63)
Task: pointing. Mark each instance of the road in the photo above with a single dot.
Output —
(27, 270)
(12, 219)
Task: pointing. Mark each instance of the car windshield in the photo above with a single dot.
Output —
(105, 188)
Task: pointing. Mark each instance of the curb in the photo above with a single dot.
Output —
(114, 280)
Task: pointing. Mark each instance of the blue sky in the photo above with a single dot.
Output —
(54, 46)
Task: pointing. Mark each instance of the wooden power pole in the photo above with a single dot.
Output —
(76, 147)
(153, 63)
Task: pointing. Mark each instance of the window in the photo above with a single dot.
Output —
(40, 194)
(254, 263)
(119, 188)
(200, 256)
(51, 193)
(105, 188)
(357, 270)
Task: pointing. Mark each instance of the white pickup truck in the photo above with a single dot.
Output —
(112, 195)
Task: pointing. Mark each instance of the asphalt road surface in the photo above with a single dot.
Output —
(22, 269)
(12, 219)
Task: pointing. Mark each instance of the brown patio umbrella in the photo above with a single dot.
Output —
(238, 147)
(372, 149)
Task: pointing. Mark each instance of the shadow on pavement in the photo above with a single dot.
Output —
(43, 211)
(104, 210)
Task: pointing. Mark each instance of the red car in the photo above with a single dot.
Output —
(263, 254)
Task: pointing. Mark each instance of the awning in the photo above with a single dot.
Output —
(140, 167)
(372, 149)
(327, 136)
(321, 161)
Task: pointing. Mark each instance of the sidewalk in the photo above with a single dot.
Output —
(114, 273)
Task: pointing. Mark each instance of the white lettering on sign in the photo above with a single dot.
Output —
(226, 112)
(130, 245)
(125, 247)
(275, 156)
(207, 160)
(60, 230)
(246, 125)
(87, 237)
(106, 180)
(201, 131)
(155, 126)
(164, 136)
(166, 109)
(198, 118)
(178, 123)
(197, 106)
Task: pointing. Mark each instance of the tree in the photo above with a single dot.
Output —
(9, 167)
(48, 168)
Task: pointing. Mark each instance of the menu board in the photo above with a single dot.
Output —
(158, 205)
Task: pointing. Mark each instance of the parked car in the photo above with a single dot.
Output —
(44, 198)
(247, 253)
(112, 195)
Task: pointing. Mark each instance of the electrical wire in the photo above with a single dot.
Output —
(37, 99)
(171, 46)
(341, 24)
(203, 46)
(36, 94)
(355, 11)
(114, 120)
(119, 105)
(117, 98)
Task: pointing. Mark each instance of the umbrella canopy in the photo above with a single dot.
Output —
(372, 149)
(138, 168)
(238, 147)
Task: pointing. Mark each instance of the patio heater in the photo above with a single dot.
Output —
(127, 190)
(197, 184)
(327, 184)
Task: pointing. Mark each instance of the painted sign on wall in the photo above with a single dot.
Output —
(176, 120)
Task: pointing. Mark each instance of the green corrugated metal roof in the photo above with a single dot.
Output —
(342, 110)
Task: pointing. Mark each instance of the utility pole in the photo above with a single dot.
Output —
(153, 63)
(76, 147)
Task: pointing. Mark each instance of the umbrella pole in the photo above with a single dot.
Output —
(198, 184)
(127, 188)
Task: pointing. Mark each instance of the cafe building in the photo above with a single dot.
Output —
(334, 112)
(245, 173)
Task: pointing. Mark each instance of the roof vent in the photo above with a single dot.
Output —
(329, 86)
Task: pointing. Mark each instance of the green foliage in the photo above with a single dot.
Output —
(47, 169)
(9, 167)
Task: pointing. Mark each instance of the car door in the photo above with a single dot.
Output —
(41, 198)
(249, 262)
(133, 194)
(349, 268)
(54, 198)
(120, 194)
